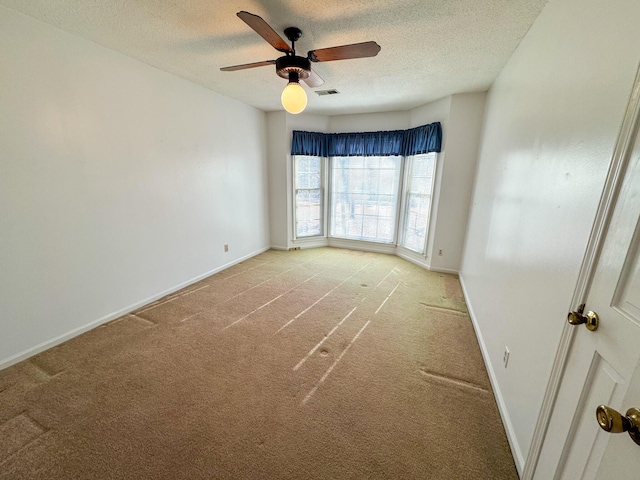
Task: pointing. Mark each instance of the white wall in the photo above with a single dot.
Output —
(118, 182)
(437, 111)
(369, 122)
(552, 118)
(278, 143)
(457, 172)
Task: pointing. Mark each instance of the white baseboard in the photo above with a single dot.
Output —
(409, 256)
(277, 247)
(516, 452)
(444, 270)
(421, 261)
(7, 362)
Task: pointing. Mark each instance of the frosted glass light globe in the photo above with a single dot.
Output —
(294, 98)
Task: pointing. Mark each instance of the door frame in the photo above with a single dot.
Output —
(610, 192)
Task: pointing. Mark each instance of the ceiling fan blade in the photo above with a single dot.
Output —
(344, 52)
(263, 29)
(313, 80)
(247, 65)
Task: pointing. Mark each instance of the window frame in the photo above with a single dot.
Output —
(405, 202)
(326, 204)
(398, 209)
(323, 199)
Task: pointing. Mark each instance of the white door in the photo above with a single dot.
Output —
(603, 366)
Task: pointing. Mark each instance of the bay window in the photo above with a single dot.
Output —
(364, 175)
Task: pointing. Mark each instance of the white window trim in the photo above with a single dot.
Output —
(325, 239)
(407, 185)
(394, 241)
(323, 203)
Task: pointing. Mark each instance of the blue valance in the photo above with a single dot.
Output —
(364, 144)
(313, 144)
(423, 139)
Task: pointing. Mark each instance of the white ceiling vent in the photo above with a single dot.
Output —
(333, 91)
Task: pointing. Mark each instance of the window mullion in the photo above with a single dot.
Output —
(400, 208)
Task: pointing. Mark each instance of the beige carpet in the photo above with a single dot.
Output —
(312, 364)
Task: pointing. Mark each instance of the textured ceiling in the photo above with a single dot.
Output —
(430, 48)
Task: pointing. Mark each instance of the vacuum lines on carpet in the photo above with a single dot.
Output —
(313, 364)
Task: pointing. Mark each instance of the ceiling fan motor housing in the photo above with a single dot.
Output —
(293, 64)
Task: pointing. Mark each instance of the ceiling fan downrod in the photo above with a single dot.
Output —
(293, 34)
(291, 65)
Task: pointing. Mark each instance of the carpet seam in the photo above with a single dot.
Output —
(146, 320)
(444, 309)
(45, 431)
(453, 380)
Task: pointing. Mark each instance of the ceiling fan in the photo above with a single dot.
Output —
(296, 68)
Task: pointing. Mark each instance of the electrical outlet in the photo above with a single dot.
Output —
(440, 253)
(226, 247)
(505, 356)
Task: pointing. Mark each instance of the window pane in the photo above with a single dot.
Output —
(302, 180)
(388, 184)
(314, 180)
(354, 227)
(369, 224)
(308, 206)
(303, 165)
(418, 202)
(388, 162)
(371, 162)
(364, 197)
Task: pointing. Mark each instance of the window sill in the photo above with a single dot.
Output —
(362, 245)
(310, 242)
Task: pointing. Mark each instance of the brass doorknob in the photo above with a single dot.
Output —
(613, 422)
(590, 320)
